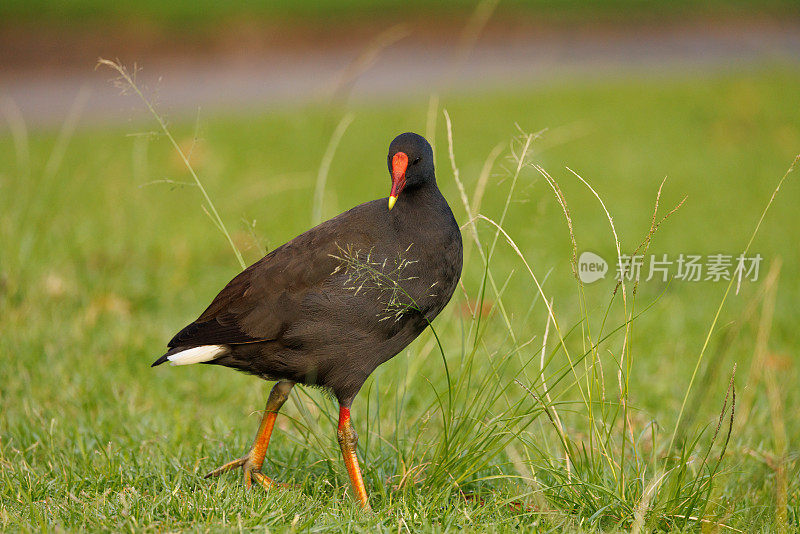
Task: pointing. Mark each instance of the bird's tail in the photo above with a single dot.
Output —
(190, 355)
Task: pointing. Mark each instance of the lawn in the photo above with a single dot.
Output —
(206, 14)
(106, 252)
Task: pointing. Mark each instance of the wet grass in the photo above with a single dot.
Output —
(563, 399)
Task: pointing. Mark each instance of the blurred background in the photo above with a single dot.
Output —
(245, 56)
(285, 111)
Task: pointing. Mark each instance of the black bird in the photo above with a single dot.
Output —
(335, 302)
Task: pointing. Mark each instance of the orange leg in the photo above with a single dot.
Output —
(347, 441)
(252, 463)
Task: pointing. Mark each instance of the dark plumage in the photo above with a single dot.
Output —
(332, 304)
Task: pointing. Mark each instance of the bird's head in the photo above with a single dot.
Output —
(410, 163)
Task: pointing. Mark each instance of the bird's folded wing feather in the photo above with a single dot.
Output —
(266, 298)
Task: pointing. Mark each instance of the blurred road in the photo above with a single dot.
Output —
(401, 68)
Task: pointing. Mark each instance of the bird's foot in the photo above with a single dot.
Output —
(251, 472)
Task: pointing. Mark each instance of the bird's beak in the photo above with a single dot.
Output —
(399, 166)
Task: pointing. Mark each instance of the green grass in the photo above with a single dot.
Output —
(207, 14)
(100, 266)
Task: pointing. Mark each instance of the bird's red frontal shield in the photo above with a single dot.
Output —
(399, 166)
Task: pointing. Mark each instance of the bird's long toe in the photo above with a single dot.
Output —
(250, 473)
(227, 467)
(265, 482)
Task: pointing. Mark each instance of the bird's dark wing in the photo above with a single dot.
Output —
(221, 322)
(266, 298)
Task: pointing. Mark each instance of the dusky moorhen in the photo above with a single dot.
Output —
(332, 304)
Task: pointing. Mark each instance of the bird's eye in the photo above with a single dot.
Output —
(416, 161)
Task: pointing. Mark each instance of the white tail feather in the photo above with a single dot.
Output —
(205, 353)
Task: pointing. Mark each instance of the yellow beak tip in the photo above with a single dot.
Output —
(392, 200)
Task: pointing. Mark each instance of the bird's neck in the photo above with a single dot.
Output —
(422, 194)
(422, 203)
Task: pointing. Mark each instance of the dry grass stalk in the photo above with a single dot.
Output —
(127, 81)
(325, 166)
(724, 299)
